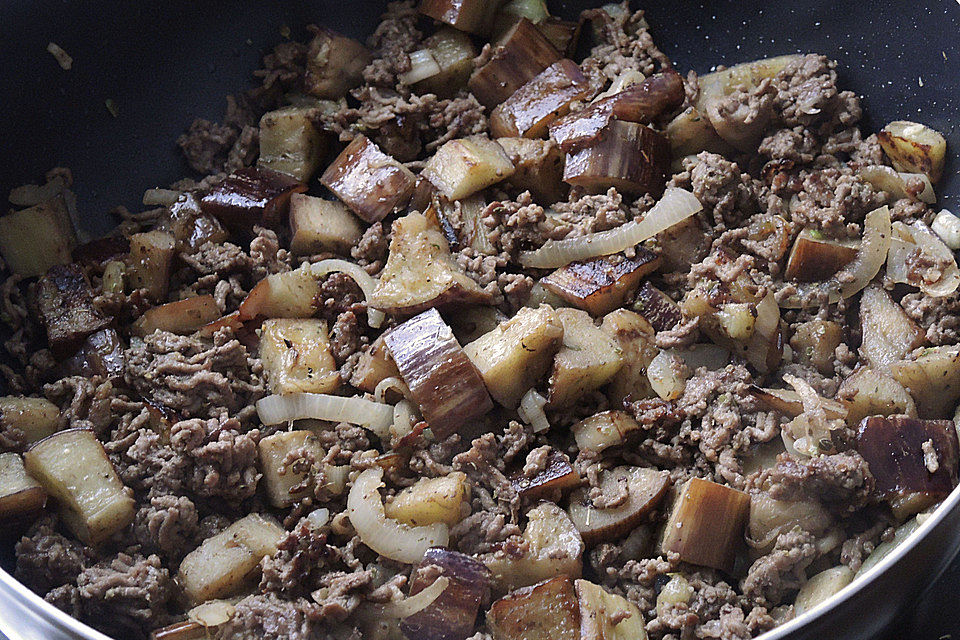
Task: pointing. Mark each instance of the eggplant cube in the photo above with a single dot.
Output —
(183, 316)
(545, 611)
(557, 476)
(657, 308)
(369, 181)
(34, 418)
(35, 239)
(296, 356)
(453, 615)
(707, 523)
(629, 156)
(190, 226)
(374, 366)
(932, 378)
(638, 348)
(281, 482)
(539, 168)
(249, 196)
(291, 294)
(462, 167)
(889, 334)
(518, 57)
(318, 225)
(291, 143)
(20, 495)
(814, 258)
(442, 380)
(447, 63)
(604, 430)
(335, 64)
(607, 616)
(600, 285)
(101, 354)
(75, 470)
(151, 262)
(588, 359)
(517, 353)
(646, 489)
(914, 148)
(534, 106)
(472, 16)
(65, 303)
(431, 500)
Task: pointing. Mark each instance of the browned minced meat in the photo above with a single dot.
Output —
(47, 559)
(270, 617)
(167, 526)
(223, 458)
(842, 480)
(939, 317)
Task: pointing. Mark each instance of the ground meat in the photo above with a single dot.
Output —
(339, 293)
(723, 190)
(796, 145)
(127, 595)
(266, 255)
(46, 559)
(807, 96)
(393, 40)
(206, 145)
(779, 573)
(269, 617)
(85, 403)
(832, 199)
(842, 480)
(938, 317)
(345, 336)
(218, 259)
(167, 526)
(302, 556)
(371, 252)
(224, 460)
(146, 464)
(625, 45)
(193, 377)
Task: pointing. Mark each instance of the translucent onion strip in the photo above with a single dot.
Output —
(277, 409)
(422, 66)
(531, 411)
(676, 206)
(385, 536)
(916, 239)
(363, 279)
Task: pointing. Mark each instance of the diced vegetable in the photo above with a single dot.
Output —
(461, 221)
(441, 378)
(74, 469)
(603, 430)
(385, 536)
(35, 239)
(420, 272)
(770, 517)
(539, 168)
(915, 186)
(151, 262)
(676, 591)
(252, 195)
(535, 105)
(450, 53)
(462, 167)
(562, 34)
(907, 455)
(690, 132)
(815, 258)
(533, 10)
(546, 611)
(706, 524)
(291, 143)
(588, 359)
(517, 58)
(635, 336)
(190, 226)
(628, 156)
(553, 547)
(556, 476)
(947, 227)
(645, 489)
(517, 353)
(822, 587)
(472, 16)
(531, 411)
(34, 418)
(282, 295)
(657, 308)
(183, 316)
(102, 251)
(888, 333)
(870, 393)
(815, 342)
(920, 258)
(453, 615)
(914, 148)
(600, 285)
(280, 480)
(20, 495)
(186, 630)
(296, 356)
(431, 500)
(335, 64)
(224, 564)
(65, 303)
(374, 366)
(369, 181)
(607, 616)
(684, 244)
(101, 354)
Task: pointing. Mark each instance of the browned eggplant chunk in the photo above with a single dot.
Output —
(369, 181)
(442, 380)
(814, 258)
(562, 34)
(101, 354)
(20, 495)
(250, 196)
(97, 253)
(539, 168)
(453, 615)
(658, 308)
(472, 16)
(190, 226)
(601, 285)
(182, 316)
(335, 64)
(557, 475)
(910, 455)
(519, 56)
(535, 105)
(645, 489)
(707, 523)
(66, 306)
(545, 611)
(629, 156)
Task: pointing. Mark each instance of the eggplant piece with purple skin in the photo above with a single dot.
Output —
(640, 103)
(909, 455)
(629, 156)
(369, 181)
(97, 253)
(190, 226)
(557, 475)
(250, 196)
(519, 56)
(65, 300)
(534, 106)
(101, 354)
(472, 16)
(814, 258)
(562, 34)
(442, 380)
(453, 615)
(602, 284)
(659, 309)
(548, 610)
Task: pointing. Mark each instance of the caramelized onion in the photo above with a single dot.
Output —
(277, 409)
(363, 279)
(531, 411)
(675, 206)
(388, 537)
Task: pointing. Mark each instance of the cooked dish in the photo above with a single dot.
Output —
(497, 327)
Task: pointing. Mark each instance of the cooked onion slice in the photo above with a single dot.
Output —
(675, 206)
(277, 409)
(857, 274)
(915, 241)
(388, 537)
(362, 278)
(399, 609)
(318, 517)
(915, 186)
(531, 411)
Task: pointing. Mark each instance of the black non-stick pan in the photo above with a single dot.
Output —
(159, 64)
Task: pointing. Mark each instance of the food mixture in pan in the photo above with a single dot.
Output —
(495, 326)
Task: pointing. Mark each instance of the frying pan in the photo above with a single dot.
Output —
(162, 63)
